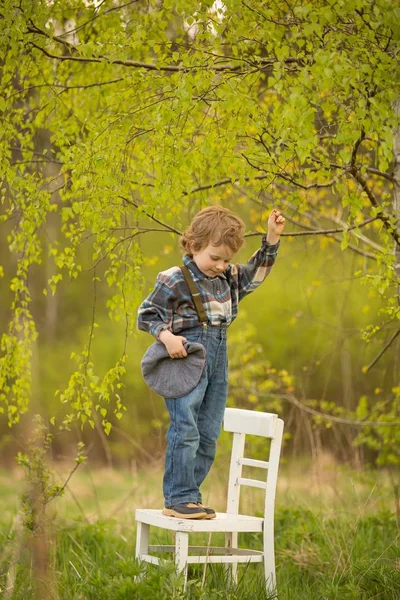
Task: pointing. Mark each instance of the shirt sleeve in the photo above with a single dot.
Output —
(156, 312)
(257, 268)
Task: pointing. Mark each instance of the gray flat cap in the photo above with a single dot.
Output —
(173, 377)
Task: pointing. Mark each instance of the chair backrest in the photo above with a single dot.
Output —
(242, 422)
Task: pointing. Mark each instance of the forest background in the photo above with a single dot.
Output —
(120, 120)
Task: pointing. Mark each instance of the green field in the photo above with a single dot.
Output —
(336, 538)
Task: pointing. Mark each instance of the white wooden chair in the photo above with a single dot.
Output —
(240, 422)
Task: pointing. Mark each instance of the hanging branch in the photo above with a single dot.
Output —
(168, 228)
(354, 170)
(293, 400)
(152, 217)
(382, 352)
(320, 231)
(260, 65)
(136, 64)
(337, 239)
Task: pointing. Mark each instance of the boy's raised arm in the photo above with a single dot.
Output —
(258, 267)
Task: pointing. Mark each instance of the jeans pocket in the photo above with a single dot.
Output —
(193, 337)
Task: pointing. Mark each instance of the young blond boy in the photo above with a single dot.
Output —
(209, 243)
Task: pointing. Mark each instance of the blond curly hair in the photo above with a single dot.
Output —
(214, 225)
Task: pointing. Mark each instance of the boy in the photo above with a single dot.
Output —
(209, 243)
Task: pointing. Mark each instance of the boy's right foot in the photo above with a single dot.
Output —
(188, 510)
(210, 512)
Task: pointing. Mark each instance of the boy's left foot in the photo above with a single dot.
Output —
(211, 514)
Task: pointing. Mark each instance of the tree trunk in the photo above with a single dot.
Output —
(396, 192)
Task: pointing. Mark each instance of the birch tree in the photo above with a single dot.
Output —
(118, 115)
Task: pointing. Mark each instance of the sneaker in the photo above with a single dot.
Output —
(210, 512)
(188, 510)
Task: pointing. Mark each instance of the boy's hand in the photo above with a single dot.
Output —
(173, 344)
(276, 223)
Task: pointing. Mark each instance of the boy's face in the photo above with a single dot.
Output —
(213, 260)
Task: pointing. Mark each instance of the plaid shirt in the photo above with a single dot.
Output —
(170, 305)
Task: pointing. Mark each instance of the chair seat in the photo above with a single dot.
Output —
(223, 522)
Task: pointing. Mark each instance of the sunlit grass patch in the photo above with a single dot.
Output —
(336, 538)
(316, 558)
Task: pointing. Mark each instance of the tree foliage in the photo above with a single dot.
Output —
(117, 116)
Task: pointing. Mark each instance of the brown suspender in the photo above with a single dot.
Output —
(195, 294)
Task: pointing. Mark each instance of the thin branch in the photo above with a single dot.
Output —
(141, 229)
(382, 352)
(136, 64)
(292, 23)
(359, 236)
(310, 216)
(65, 87)
(61, 490)
(230, 180)
(80, 507)
(137, 230)
(326, 232)
(172, 229)
(258, 233)
(355, 249)
(260, 65)
(310, 186)
(293, 400)
(381, 174)
(368, 169)
(122, 503)
(354, 170)
(320, 231)
(355, 149)
(226, 181)
(118, 243)
(311, 229)
(134, 443)
(40, 154)
(76, 29)
(37, 31)
(283, 175)
(374, 201)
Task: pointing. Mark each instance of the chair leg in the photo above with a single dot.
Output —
(142, 539)
(269, 559)
(181, 553)
(231, 541)
(142, 544)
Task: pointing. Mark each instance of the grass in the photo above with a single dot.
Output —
(336, 538)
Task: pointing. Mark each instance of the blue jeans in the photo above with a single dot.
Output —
(196, 421)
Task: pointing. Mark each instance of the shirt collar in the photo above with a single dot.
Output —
(198, 275)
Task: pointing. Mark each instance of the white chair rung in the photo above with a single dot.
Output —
(209, 550)
(251, 462)
(252, 483)
(225, 559)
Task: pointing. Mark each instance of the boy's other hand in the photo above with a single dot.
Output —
(173, 344)
(276, 223)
